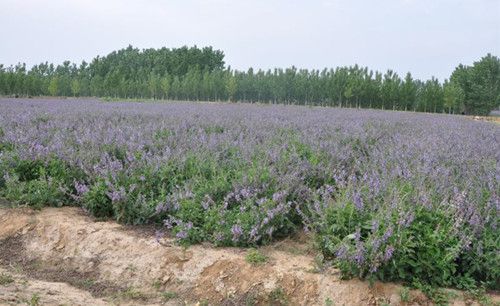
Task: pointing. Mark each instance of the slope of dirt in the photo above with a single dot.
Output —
(19, 289)
(61, 256)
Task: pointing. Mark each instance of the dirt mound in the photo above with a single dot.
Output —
(61, 256)
(16, 289)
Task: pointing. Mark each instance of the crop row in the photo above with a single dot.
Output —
(388, 195)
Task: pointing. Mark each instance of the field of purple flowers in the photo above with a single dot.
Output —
(388, 195)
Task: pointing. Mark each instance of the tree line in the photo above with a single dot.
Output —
(200, 74)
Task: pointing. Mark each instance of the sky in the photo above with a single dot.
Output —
(426, 37)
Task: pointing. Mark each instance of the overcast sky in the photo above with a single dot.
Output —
(425, 37)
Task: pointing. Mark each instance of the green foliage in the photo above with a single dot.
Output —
(439, 296)
(214, 129)
(132, 294)
(86, 283)
(53, 86)
(255, 257)
(39, 192)
(231, 87)
(404, 294)
(196, 194)
(6, 279)
(203, 303)
(480, 295)
(199, 74)
(454, 97)
(425, 252)
(28, 170)
(156, 284)
(35, 300)
(75, 87)
(329, 302)
(168, 295)
(480, 84)
(278, 297)
(39, 183)
(6, 147)
(97, 202)
(481, 264)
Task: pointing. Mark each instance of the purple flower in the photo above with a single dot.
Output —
(359, 255)
(388, 253)
(270, 231)
(207, 202)
(358, 201)
(279, 196)
(158, 235)
(181, 235)
(390, 165)
(342, 252)
(81, 189)
(357, 235)
(237, 232)
(387, 234)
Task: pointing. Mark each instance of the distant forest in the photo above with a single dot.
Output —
(200, 74)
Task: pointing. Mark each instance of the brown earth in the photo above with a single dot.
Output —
(494, 119)
(60, 256)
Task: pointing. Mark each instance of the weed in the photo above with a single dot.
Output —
(329, 302)
(255, 257)
(168, 295)
(438, 295)
(251, 299)
(479, 295)
(87, 283)
(278, 296)
(404, 294)
(132, 294)
(35, 300)
(318, 264)
(156, 284)
(203, 303)
(6, 279)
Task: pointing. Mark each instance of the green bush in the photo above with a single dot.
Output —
(97, 202)
(43, 191)
(427, 250)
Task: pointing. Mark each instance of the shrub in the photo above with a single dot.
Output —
(389, 196)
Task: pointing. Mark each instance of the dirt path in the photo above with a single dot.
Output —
(60, 256)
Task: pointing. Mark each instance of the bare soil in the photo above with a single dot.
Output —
(494, 119)
(60, 256)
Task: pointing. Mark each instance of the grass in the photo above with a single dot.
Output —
(132, 293)
(319, 264)
(255, 257)
(278, 297)
(480, 295)
(404, 294)
(35, 300)
(86, 283)
(439, 296)
(6, 279)
(168, 295)
(156, 284)
(251, 299)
